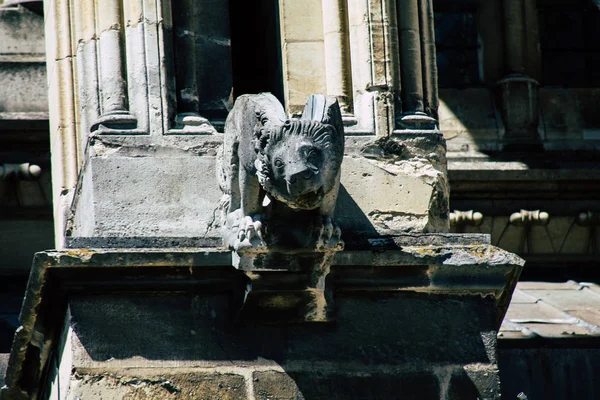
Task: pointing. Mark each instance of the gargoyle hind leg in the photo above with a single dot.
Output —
(250, 229)
(329, 234)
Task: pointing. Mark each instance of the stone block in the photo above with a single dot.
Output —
(373, 328)
(420, 385)
(304, 72)
(392, 187)
(23, 87)
(187, 328)
(3, 366)
(368, 329)
(275, 385)
(22, 33)
(475, 382)
(587, 100)
(168, 196)
(153, 386)
(559, 114)
(301, 21)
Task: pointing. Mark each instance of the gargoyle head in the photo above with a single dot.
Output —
(298, 161)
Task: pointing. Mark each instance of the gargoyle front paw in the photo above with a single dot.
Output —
(330, 236)
(249, 234)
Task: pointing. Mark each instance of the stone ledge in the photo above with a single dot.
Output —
(140, 242)
(159, 386)
(383, 243)
(280, 382)
(440, 280)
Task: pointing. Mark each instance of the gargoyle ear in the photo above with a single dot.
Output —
(324, 109)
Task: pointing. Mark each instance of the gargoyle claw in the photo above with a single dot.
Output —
(329, 235)
(249, 234)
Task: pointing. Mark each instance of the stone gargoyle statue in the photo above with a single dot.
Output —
(280, 177)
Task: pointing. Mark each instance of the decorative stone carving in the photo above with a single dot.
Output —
(25, 171)
(528, 218)
(280, 177)
(588, 218)
(461, 218)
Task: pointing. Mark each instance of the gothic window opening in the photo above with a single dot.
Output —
(457, 43)
(202, 57)
(569, 42)
(256, 47)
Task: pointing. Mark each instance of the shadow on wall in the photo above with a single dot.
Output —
(550, 373)
(471, 121)
(365, 354)
(355, 225)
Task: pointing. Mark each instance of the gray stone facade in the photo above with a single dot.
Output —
(139, 93)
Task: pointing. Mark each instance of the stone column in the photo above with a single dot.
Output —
(428, 60)
(84, 21)
(337, 52)
(373, 52)
(361, 55)
(113, 86)
(518, 91)
(418, 82)
(514, 36)
(63, 111)
(410, 56)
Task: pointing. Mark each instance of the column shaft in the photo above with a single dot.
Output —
(337, 52)
(428, 60)
(410, 56)
(84, 18)
(362, 65)
(514, 35)
(112, 77)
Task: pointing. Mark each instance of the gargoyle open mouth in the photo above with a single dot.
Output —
(310, 199)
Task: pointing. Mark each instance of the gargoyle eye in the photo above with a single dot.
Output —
(279, 163)
(313, 157)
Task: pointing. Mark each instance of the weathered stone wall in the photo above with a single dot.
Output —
(137, 105)
(23, 85)
(170, 88)
(26, 220)
(550, 372)
(194, 351)
(172, 188)
(181, 323)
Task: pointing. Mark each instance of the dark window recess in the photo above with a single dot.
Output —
(457, 45)
(569, 41)
(256, 47)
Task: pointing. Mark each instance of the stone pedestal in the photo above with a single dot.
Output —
(415, 317)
